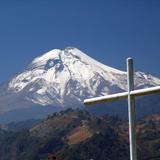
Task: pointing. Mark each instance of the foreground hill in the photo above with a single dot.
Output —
(78, 135)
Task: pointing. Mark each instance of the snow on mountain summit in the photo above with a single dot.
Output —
(66, 77)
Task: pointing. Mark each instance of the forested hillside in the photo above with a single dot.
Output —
(78, 135)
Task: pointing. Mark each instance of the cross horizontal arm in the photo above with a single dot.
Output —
(123, 95)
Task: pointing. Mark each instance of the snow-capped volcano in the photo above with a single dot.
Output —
(64, 78)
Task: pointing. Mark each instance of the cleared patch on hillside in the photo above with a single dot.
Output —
(79, 134)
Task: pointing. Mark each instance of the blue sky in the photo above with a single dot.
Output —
(107, 30)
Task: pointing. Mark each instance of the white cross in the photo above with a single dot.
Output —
(131, 94)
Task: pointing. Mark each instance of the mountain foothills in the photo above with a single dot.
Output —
(79, 135)
(64, 78)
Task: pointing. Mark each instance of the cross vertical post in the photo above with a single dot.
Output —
(131, 110)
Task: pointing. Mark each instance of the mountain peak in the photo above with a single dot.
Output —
(66, 77)
(55, 54)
